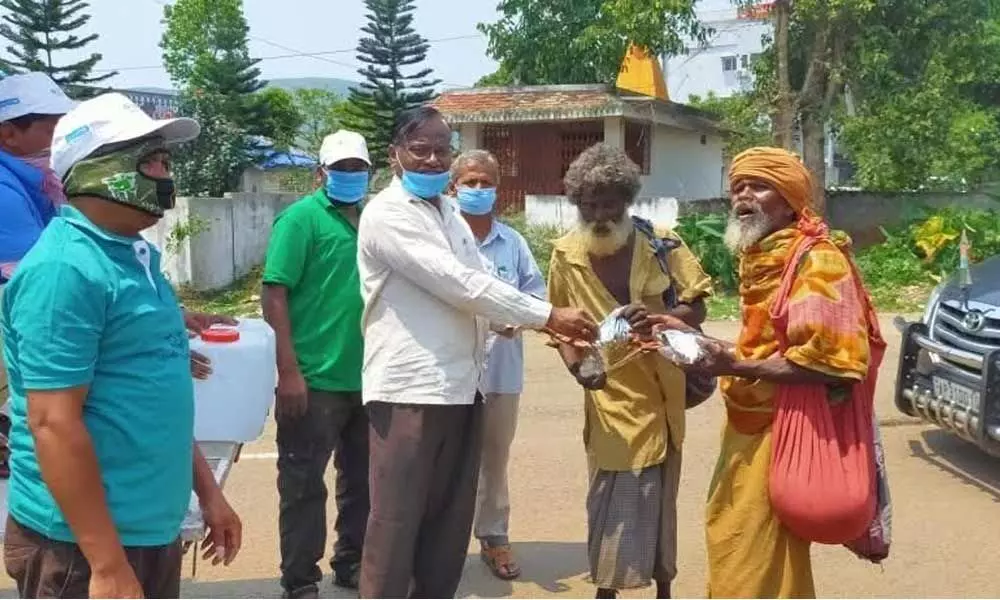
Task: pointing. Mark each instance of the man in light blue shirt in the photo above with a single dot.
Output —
(505, 252)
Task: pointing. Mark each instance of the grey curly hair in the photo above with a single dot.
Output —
(602, 167)
(473, 157)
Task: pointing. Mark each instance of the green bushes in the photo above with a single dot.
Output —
(702, 233)
(704, 236)
(539, 238)
(926, 249)
(899, 272)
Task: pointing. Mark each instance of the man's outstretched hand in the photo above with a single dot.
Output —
(572, 323)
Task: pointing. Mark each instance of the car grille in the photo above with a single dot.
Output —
(949, 328)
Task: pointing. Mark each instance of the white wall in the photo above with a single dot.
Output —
(557, 211)
(683, 167)
(700, 70)
(614, 132)
(470, 136)
(235, 241)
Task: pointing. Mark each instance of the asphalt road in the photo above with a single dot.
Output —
(944, 492)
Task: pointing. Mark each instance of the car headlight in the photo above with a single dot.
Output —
(932, 302)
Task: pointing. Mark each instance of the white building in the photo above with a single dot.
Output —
(536, 132)
(722, 66)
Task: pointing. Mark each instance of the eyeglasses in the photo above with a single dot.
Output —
(423, 151)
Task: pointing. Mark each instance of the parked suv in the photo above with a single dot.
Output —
(949, 364)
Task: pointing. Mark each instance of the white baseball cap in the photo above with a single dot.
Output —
(343, 145)
(31, 94)
(111, 119)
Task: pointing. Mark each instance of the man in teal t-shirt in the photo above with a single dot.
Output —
(103, 459)
(312, 299)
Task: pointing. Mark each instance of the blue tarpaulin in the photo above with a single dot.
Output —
(272, 158)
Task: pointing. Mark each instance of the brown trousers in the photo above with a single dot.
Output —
(424, 465)
(46, 568)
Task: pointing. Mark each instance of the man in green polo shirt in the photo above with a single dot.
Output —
(312, 299)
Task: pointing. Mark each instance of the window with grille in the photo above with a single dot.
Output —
(728, 64)
(576, 139)
(499, 140)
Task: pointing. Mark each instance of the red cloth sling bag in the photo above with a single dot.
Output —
(822, 479)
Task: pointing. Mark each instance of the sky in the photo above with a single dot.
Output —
(130, 32)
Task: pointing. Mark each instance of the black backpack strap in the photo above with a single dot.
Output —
(662, 246)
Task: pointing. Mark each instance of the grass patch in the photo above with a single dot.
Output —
(242, 299)
(907, 299)
(723, 307)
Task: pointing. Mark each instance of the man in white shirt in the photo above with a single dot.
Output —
(429, 304)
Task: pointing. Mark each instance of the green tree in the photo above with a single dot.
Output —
(743, 115)
(205, 48)
(212, 164)
(38, 30)
(909, 84)
(583, 41)
(802, 74)
(282, 118)
(206, 55)
(390, 47)
(923, 81)
(323, 113)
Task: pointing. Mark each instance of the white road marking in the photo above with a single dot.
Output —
(259, 456)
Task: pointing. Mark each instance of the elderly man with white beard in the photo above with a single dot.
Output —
(634, 415)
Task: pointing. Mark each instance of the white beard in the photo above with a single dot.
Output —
(606, 243)
(741, 234)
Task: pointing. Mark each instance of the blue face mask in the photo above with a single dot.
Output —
(476, 201)
(346, 187)
(425, 185)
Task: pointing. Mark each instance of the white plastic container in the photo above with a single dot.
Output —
(233, 403)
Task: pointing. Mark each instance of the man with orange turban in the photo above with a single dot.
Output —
(750, 553)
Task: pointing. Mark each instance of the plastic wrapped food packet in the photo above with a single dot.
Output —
(613, 333)
(614, 329)
(681, 347)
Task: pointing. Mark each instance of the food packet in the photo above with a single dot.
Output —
(681, 347)
(614, 330)
(614, 333)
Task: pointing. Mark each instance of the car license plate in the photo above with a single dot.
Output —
(957, 394)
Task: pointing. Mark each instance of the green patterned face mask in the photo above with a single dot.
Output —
(115, 176)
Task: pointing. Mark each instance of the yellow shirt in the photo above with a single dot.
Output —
(629, 422)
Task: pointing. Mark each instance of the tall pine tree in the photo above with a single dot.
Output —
(205, 49)
(206, 54)
(391, 45)
(39, 29)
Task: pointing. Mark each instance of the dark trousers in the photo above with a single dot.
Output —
(334, 423)
(424, 468)
(46, 568)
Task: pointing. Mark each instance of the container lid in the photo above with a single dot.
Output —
(221, 335)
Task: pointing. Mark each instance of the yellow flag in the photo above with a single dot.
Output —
(641, 74)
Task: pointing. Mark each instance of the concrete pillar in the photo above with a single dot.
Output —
(614, 131)
(470, 136)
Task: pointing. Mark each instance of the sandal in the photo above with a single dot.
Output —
(501, 561)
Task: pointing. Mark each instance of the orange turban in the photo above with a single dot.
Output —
(782, 170)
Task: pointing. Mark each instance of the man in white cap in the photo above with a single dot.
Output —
(312, 299)
(103, 459)
(30, 107)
